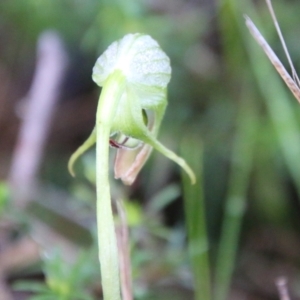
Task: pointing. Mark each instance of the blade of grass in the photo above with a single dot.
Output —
(242, 154)
(281, 109)
(276, 96)
(195, 220)
(281, 116)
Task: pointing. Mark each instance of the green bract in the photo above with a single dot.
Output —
(143, 71)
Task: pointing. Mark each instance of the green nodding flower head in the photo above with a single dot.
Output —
(141, 71)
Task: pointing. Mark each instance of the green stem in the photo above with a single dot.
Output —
(108, 254)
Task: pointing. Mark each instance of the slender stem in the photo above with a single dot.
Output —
(108, 254)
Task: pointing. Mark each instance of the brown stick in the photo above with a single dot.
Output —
(124, 253)
(281, 284)
(40, 105)
(5, 293)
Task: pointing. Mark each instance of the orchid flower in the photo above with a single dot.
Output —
(134, 73)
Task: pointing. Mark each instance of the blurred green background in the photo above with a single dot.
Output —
(230, 116)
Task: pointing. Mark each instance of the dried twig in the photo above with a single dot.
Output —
(41, 101)
(124, 255)
(281, 284)
(5, 293)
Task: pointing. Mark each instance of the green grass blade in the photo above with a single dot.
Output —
(194, 206)
(281, 107)
(243, 149)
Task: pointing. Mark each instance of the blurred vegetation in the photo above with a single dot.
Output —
(226, 103)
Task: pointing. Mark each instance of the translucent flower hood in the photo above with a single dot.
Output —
(134, 73)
